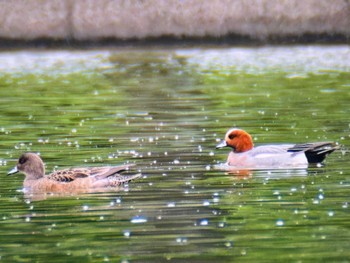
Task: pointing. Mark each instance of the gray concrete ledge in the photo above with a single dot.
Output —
(92, 20)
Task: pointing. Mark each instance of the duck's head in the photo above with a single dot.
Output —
(239, 140)
(31, 165)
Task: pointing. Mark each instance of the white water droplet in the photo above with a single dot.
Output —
(206, 203)
(204, 222)
(279, 222)
(221, 224)
(138, 220)
(126, 233)
(228, 244)
(330, 213)
(181, 240)
(171, 204)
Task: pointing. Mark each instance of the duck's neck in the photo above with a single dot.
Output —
(35, 173)
(245, 143)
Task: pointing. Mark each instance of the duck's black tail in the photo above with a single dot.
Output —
(315, 152)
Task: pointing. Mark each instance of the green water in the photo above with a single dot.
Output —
(165, 110)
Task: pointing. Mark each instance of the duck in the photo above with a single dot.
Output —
(68, 180)
(245, 155)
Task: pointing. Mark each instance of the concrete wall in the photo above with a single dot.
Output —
(128, 19)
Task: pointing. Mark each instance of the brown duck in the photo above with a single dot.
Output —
(68, 180)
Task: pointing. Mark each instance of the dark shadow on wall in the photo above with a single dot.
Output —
(170, 41)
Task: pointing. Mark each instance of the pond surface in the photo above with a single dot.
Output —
(165, 110)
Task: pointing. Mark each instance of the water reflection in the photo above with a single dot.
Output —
(40, 195)
(165, 113)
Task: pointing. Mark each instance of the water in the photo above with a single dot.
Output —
(165, 110)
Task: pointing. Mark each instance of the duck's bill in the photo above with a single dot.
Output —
(221, 145)
(13, 171)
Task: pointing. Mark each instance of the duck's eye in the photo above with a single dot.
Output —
(22, 160)
(231, 136)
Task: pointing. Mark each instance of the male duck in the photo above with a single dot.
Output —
(245, 155)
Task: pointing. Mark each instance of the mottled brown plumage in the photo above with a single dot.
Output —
(68, 180)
